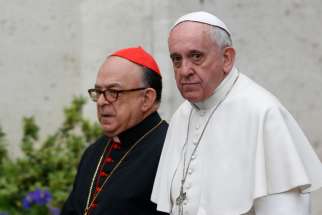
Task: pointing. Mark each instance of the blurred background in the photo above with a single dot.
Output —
(50, 51)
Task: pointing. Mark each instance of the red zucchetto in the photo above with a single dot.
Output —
(139, 56)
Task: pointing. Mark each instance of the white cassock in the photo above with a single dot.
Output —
(251, 156)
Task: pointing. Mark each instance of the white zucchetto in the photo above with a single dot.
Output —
(202, 17)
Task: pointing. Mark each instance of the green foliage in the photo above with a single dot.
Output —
(51, 164)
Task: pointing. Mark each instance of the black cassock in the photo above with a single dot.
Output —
(129, 187)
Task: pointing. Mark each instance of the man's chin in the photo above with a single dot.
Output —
(191, 97)
(109, 133)
(108, 129)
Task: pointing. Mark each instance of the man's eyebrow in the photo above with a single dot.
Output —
(108, 86)
(195, 51)
(174, 55)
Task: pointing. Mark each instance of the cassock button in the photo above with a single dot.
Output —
(193, 157)
(116, 146)
(195, 139)
(108, 160)
(98, 189)
(190, 171)
(188, 186)
(103, 174)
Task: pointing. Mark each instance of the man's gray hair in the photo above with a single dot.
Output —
(220, 36)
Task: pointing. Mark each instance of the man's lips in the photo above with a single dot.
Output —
(106, 115)
(189, 83)
(106, 118)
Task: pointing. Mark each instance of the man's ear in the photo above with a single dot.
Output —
(149, 99)
(229, 58)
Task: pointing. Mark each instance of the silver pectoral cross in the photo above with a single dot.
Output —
(182, 196)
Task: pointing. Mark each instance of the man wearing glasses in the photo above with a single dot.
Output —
(116, 173)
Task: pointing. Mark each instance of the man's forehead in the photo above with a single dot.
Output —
(189, 34)
(115, 63)
(190, 28)
(190, 22)
(119, 60)
(118, 72)
(100, 84)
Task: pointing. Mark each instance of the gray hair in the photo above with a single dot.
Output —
(221, 37)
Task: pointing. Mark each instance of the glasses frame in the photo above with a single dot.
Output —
(111, 91)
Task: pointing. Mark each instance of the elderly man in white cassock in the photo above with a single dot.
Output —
(231, 147)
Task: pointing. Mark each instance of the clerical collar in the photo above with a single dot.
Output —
(219, 92)
(131, 135)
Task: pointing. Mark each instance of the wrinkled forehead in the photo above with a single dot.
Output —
(117, 71)
(189, 32)
(190, 28)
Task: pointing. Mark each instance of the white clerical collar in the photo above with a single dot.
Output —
(219, 93)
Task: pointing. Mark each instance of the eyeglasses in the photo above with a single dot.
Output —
(110, 95)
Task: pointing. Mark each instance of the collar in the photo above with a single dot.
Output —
(131, 135)
(219, 92)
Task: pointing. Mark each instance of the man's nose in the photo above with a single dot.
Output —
(101, 100)
(186, 68)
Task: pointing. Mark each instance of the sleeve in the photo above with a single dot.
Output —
(291, 202)
(285, 160)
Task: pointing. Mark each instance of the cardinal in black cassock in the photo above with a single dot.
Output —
(115, 175)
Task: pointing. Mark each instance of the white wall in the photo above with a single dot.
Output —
(40, 50)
